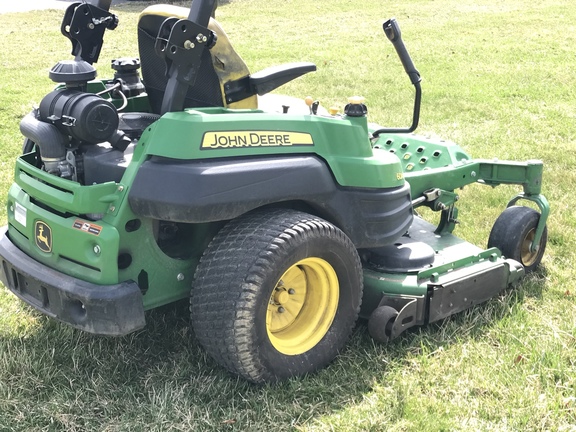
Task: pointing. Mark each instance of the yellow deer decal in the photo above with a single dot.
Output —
(43, 240)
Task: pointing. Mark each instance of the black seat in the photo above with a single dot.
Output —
(219, 65)
(223, 78)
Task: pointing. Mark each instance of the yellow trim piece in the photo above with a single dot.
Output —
(165, 11)
(229, 66)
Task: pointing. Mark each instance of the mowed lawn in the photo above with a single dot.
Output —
(498, 78)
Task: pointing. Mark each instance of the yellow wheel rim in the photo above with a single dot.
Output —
(302, 306)
(528, 257)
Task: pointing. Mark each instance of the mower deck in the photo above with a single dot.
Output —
(427, 276)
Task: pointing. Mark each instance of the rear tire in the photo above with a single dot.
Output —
(276, 294)
(513, 233)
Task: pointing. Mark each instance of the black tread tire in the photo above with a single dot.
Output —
(510, 231)
(235, 278)
(380, 323)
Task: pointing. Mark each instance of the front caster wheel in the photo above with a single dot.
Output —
(380, 323)
(276, 294)
(513, 233)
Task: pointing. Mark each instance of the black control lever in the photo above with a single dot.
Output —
(182, 50)
(392, 31)
(201, 11)
(104, 4)
(84, 24)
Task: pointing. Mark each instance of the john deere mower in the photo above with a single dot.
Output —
(282, 226)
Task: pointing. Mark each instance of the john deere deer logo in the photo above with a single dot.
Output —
(43, 235)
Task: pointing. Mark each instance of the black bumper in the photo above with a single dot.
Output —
(101, 309)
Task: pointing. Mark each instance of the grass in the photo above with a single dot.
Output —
(498, 79)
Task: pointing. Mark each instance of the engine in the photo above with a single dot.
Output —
(82, 136)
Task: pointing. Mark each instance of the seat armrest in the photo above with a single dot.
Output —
(265, 81)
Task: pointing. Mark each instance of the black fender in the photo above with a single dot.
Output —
(211, 190)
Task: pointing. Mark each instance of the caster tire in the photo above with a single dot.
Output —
(380, 323)
(276, 294)
(513, 233)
